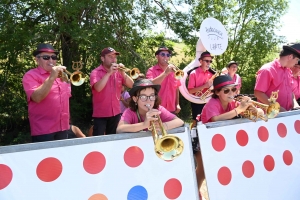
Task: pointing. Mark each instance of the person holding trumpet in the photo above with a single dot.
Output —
(47, 96)
(163, 74)
(106, 83)
(144, 105)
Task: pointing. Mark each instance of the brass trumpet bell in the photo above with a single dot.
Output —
(134, 73)
(167, 147)
(77, 78)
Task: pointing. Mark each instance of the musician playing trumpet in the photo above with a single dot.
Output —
(163, 74)
(106, 82)
(200, 79)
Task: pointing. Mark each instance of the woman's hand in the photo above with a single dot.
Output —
(244, 104)
(151, 116)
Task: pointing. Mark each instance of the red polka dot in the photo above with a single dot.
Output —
(224, 175)
(5, 176)
(98, 197)
(94, 162)
(248, 169)
(263, 134)
(242, 138)
(49, 169)
(133, 156)
(297, 126)
(281, 129)
(218, 142)
(269, 163)
(173, 188)
(287, 157)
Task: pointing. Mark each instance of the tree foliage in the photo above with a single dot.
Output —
(81, 29)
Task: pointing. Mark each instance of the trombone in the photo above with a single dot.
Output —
(167, 147)
(133, 73)
(178, 72)
(76, 78)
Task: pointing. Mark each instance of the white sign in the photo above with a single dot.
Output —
(214, 36)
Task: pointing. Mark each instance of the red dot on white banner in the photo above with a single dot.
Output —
(248, 169)
(287, 157)
(133, 156)
(281, 129)
(5, 176)
(242, 138)
(224, 175)
(269, 163)
(173, 188)
(94, 162)
(263, 134)
(49, 169)
(218, 142)
(98, 197)
(297, 126)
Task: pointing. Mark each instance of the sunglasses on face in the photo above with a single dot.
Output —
(208, 61)
(47, 57)
(165, 54)
(144, 98)
(226, 91)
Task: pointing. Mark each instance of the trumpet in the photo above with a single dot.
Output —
(133, 73)
(76, 78)
(178, 72)
(260, 110)
(204, 94)
(167, 147)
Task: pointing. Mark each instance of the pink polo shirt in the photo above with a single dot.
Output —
(168, 88)
(272, 77)
(52, 113)
(238, 80)
(131, 117)
(106, 103)
(214, 108)
(198, 77)
(296, 86)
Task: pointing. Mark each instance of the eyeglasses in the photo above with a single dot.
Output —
(47, 57)
(144, 98)
(165, 54)
(208, 61)
(226, 91)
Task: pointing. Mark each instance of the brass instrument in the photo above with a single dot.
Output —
(167, 147)
(76, 78)
(133, 73)
(178, 72)
(267, 111)
(207, 93)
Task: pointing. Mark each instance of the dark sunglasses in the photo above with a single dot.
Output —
(47, 57)
(165, 54)
(226, 91)
(208, 61)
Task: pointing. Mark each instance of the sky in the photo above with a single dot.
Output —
(291, 22)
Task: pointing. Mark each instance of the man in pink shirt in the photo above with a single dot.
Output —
(47, 97)
(231, 71)
(276, 75)
(163, 74)
(106, 82)
(296, 81)
(200, 79)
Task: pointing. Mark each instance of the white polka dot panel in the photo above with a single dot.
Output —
(253, 160)
(118, 169)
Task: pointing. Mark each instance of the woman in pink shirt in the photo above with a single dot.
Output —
(232, 68)
(296, 81)
(222, 105)
(143, 107)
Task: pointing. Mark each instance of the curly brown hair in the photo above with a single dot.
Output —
(133, 106)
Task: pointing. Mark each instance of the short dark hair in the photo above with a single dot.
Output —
(214, 95)
(132, 105)
(286, 52)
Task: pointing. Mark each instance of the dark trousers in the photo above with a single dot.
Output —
(196, 109)
(60, 135)
(106, 125)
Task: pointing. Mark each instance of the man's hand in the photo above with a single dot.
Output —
(178, 109)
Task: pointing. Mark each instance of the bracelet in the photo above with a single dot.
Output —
(236, 112)
(166, 126)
